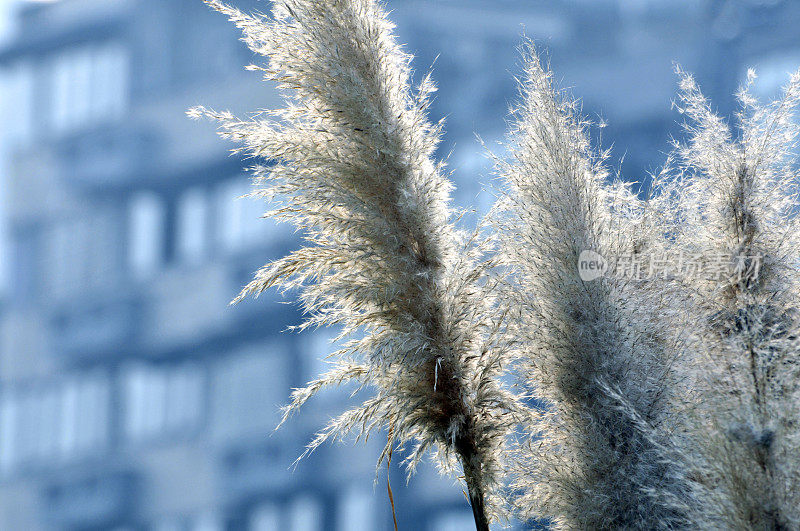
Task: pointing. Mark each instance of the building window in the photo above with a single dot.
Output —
(265, 517)
(306, 513)
(90, 85)
(85, 414)
(147, 233)
(239, 222)
(162, 400)
(453, 521)
(60, 421)
(192, 225)
(8, 422)
(357, 509)
(207, 521)
(110, 81)
(16, 103)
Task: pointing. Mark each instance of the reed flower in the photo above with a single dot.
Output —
(734, 204)
(596, 354)
(352, 159)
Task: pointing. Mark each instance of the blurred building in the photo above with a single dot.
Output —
(131, 396)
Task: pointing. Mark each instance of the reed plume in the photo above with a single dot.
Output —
(352, 159)
(597, 353)
(734, 203)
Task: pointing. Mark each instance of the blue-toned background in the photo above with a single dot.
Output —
(131, 396)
